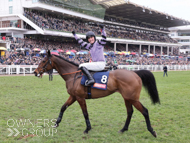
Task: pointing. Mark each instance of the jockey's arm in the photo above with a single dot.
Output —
(81, 42)
(103, 40)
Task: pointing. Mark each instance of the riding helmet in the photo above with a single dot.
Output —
(90, 34)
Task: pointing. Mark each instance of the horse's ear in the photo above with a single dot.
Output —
(49, 54)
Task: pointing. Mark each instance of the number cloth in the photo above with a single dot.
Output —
(101, 80)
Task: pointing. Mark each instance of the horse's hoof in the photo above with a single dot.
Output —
(154, 134)
(85, 132)
(56, 125)
(122, 130)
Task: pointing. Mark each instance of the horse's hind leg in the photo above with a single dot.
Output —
(69, 101)
(129, 115)
(144, 111)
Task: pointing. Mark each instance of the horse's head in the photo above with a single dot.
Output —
(44, 66)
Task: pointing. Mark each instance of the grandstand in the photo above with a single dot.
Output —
(182, 35)
(129, 27)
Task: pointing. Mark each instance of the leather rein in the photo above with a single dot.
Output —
(71, 72)
(49, 62)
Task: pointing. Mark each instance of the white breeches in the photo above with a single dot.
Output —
(94, 66)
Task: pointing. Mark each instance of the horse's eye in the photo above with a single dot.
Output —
(44, 61)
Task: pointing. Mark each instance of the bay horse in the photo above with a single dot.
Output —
(127, 83)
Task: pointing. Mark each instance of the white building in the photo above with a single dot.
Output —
(182, 35)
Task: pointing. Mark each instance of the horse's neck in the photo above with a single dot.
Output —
(64, 68)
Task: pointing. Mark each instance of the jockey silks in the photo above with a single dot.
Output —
(96, 49)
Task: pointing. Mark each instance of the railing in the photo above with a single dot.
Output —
(155, 67)
(29, 69)
(6, 25)
(4, 38)
(18, 69)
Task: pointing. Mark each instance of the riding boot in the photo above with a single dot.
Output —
(90, 81)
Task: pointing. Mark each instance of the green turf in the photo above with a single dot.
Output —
(39, 101)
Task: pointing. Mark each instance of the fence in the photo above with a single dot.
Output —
(6, 25)
(4, 38)
(155, 67)
(29, 69)
(18, 69)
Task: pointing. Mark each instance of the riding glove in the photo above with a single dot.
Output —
(73, 32)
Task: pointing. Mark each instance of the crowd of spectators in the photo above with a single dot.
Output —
(21, 50)
(27, 56)
(133, 23)
(58, 22)
(144, 60)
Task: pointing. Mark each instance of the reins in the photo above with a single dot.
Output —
(71, 72)
(49, 62)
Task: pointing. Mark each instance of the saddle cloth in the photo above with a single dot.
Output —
(101, 80)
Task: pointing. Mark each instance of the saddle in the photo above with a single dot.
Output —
(100, 77)
(93, 72)
(104, 70)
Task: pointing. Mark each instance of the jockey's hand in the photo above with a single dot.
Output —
(73, 32)
(101, 26)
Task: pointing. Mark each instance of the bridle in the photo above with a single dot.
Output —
(45, 66)
(49, 62)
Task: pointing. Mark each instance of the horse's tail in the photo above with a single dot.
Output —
(149, 83)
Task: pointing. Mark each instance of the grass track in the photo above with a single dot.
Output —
(40, 100)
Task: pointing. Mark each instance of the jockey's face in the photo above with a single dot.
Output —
(91, 40)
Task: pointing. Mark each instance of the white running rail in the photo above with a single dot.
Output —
(29, 69)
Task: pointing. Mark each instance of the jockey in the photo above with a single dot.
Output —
(96, 49)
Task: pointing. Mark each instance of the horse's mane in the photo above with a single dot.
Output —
(75, 64)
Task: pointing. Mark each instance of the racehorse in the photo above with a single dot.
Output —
(127, 83)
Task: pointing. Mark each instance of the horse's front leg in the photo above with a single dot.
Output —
(69, 101)
(82, 104)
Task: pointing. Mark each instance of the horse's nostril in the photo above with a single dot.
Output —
(35, 73)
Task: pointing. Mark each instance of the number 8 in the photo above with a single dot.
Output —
(104, 79)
